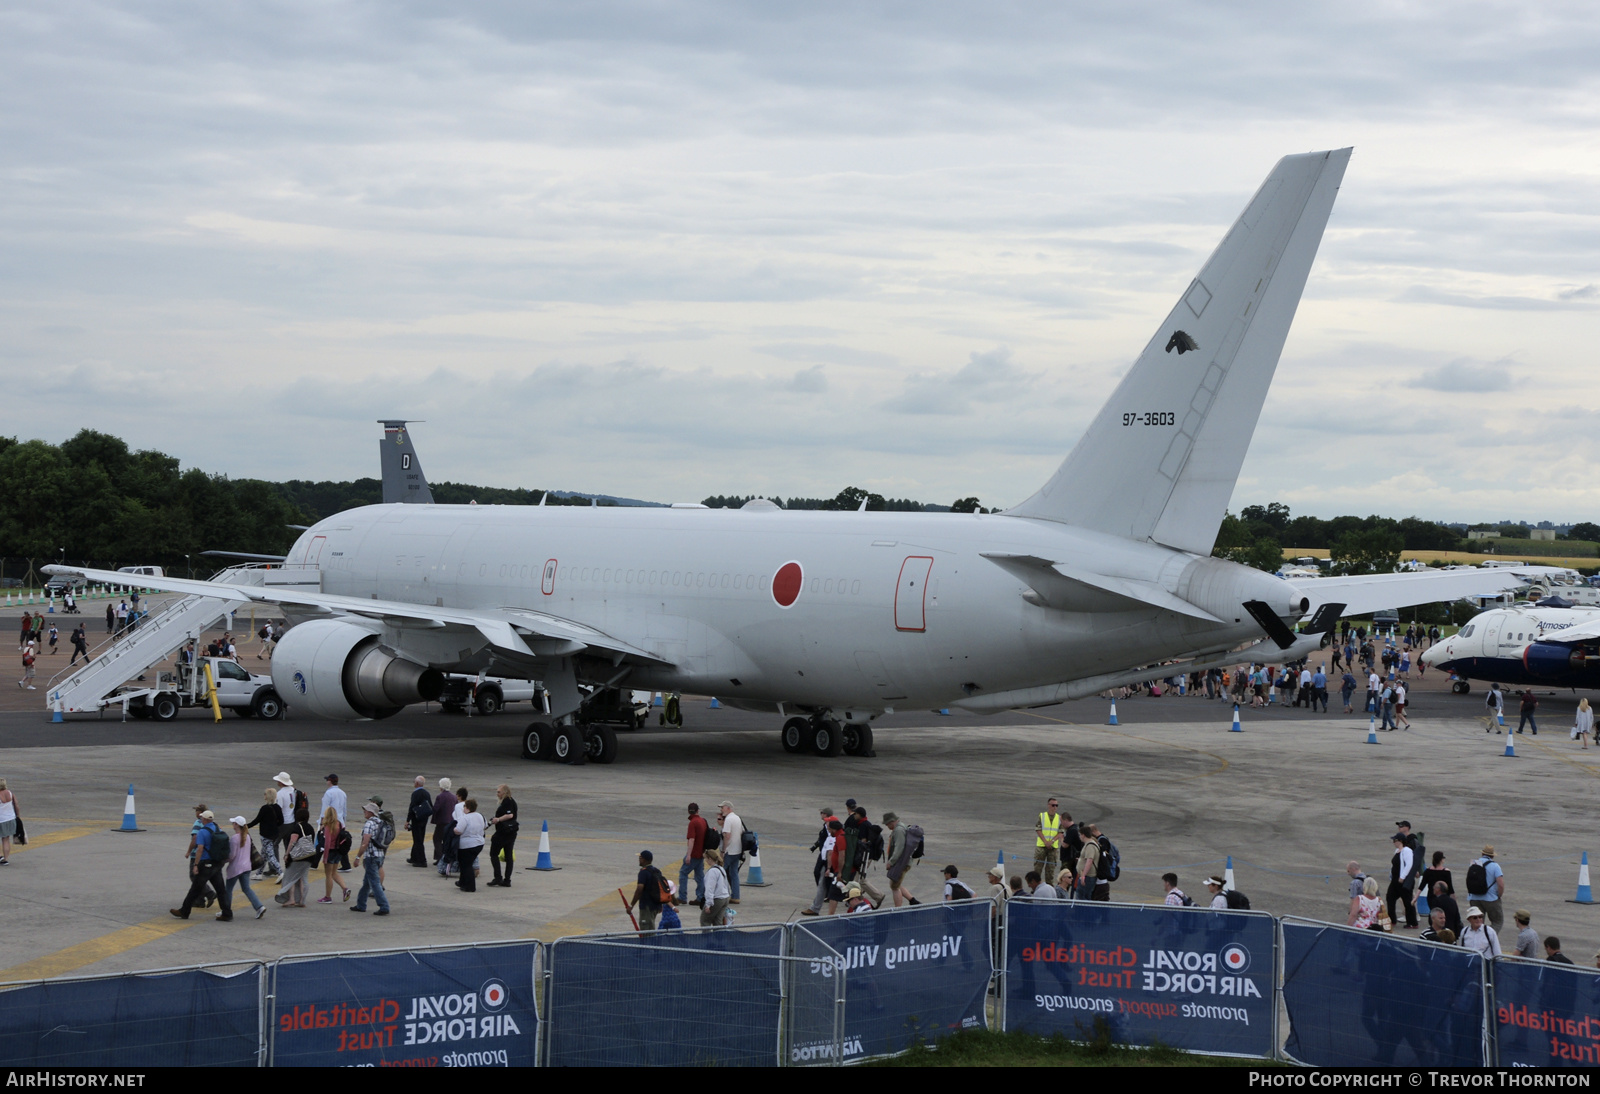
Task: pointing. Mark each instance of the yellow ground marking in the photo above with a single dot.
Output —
(1587, 769)
(44, 839)
(96, 949)
(604, 914)
(1222, 764)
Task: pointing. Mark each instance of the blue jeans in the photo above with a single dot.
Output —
(698, 867)
(243, 882)
(731, 864)
(1388, 716)
(1527, 717)
(370, 883)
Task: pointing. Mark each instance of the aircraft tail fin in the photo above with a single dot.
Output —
(402, 474)
(1160, 461)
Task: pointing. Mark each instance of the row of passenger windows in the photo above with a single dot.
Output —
(585, 575)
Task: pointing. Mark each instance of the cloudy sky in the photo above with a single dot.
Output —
(669, 250)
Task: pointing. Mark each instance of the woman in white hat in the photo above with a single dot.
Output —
(237, 872)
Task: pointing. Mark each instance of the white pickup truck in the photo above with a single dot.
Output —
(489, 694)
(246, 694)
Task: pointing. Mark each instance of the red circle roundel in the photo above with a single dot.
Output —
(786, 584)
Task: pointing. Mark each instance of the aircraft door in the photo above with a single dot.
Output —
(314, 552)
(910, 597)
(1491, 639)
(548, 584)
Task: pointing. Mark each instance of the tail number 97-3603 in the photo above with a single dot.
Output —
(1154, 417)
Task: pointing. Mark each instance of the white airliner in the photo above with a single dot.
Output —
(834, 618)
(1523, 646)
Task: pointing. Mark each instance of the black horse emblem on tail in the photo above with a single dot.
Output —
(1182, 342)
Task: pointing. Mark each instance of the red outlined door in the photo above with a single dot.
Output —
(911, 595)
(548, 584)
(314, 552)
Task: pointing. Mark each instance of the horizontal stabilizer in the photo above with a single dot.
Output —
(1072, 589)
(1366, 593)
(1160, 460)
(1275, 628)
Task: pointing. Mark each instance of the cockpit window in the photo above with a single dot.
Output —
(1466, 632)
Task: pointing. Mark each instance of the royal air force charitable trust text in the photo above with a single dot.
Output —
(1417, 1078)
(427, 1020)
(1189, 972)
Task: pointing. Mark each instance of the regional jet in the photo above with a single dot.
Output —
(830, 619)
(1530, 647)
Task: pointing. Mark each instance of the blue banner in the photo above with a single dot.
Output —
(673, 998)
(1188, 978)
(182, 1019)
(911, 975)
(1363, 999)
(1546, 1015)
(470, 1007)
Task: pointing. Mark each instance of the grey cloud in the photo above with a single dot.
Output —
(986, 377)
(1586, 292)
(1466, 376)
(829, 352)
(809, 381)
(1423, 294)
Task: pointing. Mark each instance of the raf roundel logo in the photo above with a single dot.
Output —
(494, 994)
(300, 682)
(786, 584)
(1235, 958)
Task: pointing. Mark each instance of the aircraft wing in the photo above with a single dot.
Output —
(1366, 593)
(521, 633)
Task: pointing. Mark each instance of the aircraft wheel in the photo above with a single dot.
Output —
(794, 734)
(858, 739)
(567, 745)
(826, 738)
(166, 707)
(601, 745)
(1461, 687)
(538, 741)
(851, 734)
(488, 702)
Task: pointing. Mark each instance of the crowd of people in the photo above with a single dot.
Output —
(292, 848)
(1429, 890)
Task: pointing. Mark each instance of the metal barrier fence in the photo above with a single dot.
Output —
(418, 1007)
(1188, 978)
(832, 991)
(1360, 998)
(196, 1015)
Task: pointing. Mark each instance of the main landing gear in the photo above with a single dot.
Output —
(569, 744)
(824, 736)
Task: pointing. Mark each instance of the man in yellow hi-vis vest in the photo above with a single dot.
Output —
(1047, 842)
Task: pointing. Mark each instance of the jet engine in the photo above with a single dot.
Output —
(343, 671)
(1551, 658)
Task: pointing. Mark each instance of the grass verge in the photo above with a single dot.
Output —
(990, 1048)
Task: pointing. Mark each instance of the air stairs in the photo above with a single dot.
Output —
(89, 687)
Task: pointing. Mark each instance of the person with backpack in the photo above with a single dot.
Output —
(211, 851)
(377, 832)
(829, 886)
(647, 892)
(1175, 896)
(1486, 884)
(1494, 709)
(954, 887)
(733, 846)
(714, 911)
(902, 853)
(1088, 864)
(237, 871)
(1108, 867)
(269, 818)
(694, 850)
(1219, 900)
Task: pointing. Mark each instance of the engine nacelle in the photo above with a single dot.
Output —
(1551, 658)
(1222, 588)
(343, 671)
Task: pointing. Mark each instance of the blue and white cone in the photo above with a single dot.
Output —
(755, 877)
(1235, 728)
(1500, 716)
(55, 701)
(1510, 748)
(1372, 729)
(129, 822)
(1113, 713)
(657, 700)
(944, 712)
(714, 704)
(1227, 874)
(1585, 894)
(543, 862)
